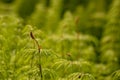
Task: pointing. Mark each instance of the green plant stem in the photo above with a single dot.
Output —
(38, 46)
(62, 46)
(40, 66)
(77, 31)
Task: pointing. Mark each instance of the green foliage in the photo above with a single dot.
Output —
(116, 75)
(53, 16)
(38, 17)
(59, 40)
(111, 39)
(25, 7)
(7, 1)
(80, 76)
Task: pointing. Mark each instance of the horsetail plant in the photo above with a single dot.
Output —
(77, 33)
(39, 48)
(78, 41)
(80, 76)
(116, 75)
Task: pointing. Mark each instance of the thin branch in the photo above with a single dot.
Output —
(39, 48)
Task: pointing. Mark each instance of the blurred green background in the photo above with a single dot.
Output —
(90, 29)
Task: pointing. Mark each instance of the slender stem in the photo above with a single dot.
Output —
(40, 66)
(39, 48)
(62, 46)
(78, 42)
(78, 33)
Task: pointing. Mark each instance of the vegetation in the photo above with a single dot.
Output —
(59, 40)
